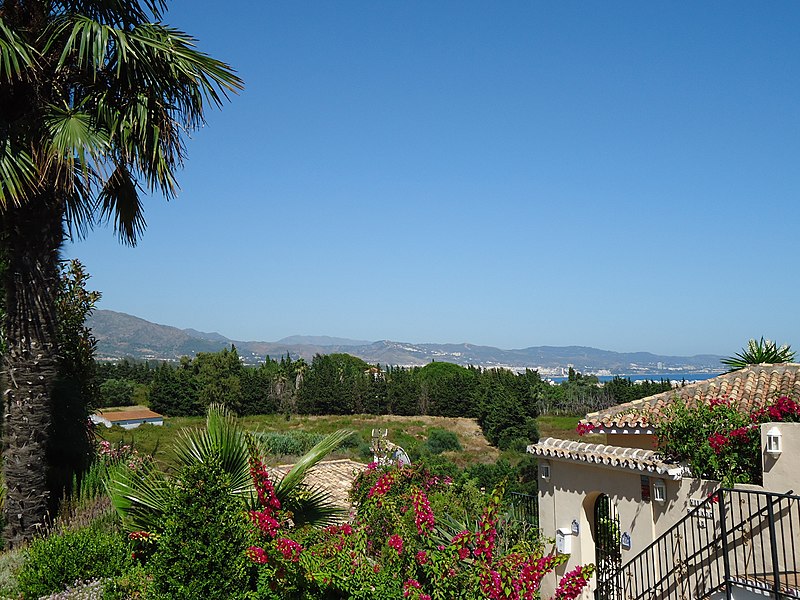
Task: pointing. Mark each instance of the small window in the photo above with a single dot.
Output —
(544, 469)
(659, 491)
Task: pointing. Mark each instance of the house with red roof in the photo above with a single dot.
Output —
(128, 418)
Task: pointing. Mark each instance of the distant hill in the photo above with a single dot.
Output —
(320, 340)
(121, 335)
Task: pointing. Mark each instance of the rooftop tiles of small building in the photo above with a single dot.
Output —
(630, 459)
(747, 389)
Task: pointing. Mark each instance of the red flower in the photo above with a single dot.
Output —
(289, 549)
(717, 442)
(257, 555)
(396, 542)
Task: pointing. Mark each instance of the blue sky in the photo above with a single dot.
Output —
(623, 175)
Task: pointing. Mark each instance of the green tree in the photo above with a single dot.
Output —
(447, 390)
(116, 392)
(95, 100)
(205, 531)
(74, 393)
(175, 392)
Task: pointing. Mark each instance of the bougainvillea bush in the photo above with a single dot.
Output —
(413, 536)
(717, 439)
(396, 548)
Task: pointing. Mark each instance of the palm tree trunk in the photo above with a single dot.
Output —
(32, 235)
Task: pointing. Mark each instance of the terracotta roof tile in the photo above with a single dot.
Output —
(748, 388)
(629, 459)
(127, 415)
(333, 476)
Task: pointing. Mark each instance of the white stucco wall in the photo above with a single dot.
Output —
(782, 473)
(570, 495)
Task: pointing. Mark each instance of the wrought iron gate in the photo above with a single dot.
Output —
(608, 556)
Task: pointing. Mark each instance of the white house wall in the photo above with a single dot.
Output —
(572, 490)
(782, 473)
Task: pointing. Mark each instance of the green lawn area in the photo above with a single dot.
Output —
(408, 432)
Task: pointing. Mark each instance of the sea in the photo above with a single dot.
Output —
(674, 376)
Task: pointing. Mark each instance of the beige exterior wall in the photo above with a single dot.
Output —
(570, 495)
(782, 473)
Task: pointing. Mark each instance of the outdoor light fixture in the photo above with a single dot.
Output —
(659, 491)
(774, 447)
(544, 470)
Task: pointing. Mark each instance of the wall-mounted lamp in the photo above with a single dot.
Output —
(659, 491)
(774, 446)
(544, 470)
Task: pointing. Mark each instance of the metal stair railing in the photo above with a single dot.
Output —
(747, 538)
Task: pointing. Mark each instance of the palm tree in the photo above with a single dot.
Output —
(95, 99)
(140, 495)
(759, 352)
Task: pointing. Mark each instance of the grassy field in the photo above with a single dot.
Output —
(408, 432)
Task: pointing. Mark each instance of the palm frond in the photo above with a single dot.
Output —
(313, 506)
(72, 140)
(759, 352)
(294, 478)
(119, 202)
(224, 438)
(18, 174)
(15, 55)
(122, 13)
(169, 50)
(139, 496)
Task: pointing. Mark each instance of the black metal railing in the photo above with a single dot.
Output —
(525, 507)
(745, 538)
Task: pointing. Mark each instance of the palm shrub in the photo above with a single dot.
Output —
(141, 495)
(759, 352)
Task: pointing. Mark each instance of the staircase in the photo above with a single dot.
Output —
(736, 544)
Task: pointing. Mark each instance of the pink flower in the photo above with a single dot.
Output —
(422, 557)
(714, 402)
(408, 585)
(382, 486)
(289, 549)
(257, 555)
(265, 522)
(423, 515)
(396, 542)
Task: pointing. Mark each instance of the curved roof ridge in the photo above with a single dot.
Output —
(632, 459)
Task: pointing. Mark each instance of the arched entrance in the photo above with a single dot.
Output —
(608, 556)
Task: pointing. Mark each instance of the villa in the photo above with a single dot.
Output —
(129, 418)
(653, 530)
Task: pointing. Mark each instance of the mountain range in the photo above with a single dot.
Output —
(120, 335)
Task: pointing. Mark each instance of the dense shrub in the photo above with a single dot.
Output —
(282, 443)
(201, 550)
(61, 559)
(442, 440)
